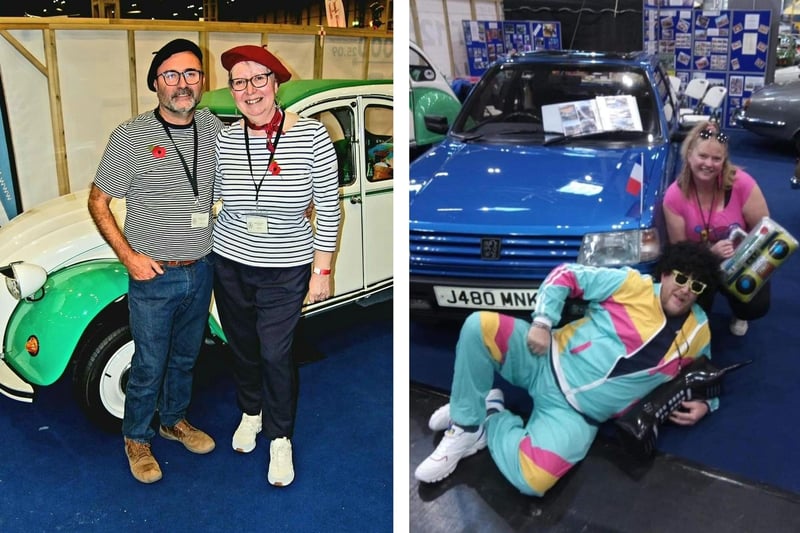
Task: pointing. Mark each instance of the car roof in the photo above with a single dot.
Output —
(221, 102)
(639, 59)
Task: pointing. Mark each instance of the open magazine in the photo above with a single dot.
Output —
(602, 113)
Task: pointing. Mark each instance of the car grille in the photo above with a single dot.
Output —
(459, 255)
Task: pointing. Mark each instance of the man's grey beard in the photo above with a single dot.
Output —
(168, 102)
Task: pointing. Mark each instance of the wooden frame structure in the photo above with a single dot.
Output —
(77, 62)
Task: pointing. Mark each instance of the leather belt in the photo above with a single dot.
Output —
(177, 263)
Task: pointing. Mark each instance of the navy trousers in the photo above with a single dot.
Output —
(259, 309)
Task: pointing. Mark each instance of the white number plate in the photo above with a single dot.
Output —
(477, 298)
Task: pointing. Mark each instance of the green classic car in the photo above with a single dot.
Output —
(786, 53)
(431, 98)
(65, 307)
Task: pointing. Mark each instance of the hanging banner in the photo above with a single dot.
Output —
(334, 10)
(9, 202)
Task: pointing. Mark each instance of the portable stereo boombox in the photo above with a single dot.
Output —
(757, 255)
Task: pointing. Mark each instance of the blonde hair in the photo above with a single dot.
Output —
(684, 179)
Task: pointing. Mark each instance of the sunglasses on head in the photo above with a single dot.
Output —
(682, 279)
(708, 133)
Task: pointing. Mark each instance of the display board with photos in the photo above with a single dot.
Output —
(727, 47)
(488, 40)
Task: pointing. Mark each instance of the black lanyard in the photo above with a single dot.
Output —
(192, 176)
(271, 155)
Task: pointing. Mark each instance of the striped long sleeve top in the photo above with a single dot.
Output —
(305, 169)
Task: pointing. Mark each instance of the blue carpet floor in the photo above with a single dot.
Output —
(755, 433)
(60, 473)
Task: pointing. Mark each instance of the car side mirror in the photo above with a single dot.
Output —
(436, 123)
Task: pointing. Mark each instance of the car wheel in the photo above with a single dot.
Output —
(101, 375)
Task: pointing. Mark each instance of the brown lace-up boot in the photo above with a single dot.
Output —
(144, 466)
(195, 440)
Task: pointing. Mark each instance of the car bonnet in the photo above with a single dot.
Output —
(533, 187)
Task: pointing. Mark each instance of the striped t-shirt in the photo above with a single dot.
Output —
(143, 165)
(308, 170)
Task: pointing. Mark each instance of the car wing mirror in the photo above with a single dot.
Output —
(436, 123)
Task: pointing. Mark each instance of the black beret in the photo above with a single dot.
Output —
(171, 48)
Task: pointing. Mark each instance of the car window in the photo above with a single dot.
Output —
(512, 99)
(378, 133)
(339, 123)
(664, 94)
(418, 67)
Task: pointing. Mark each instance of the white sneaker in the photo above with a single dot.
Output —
(440, 419)
(244, 438)
(454, 446)
(738, 327)
(281, 470)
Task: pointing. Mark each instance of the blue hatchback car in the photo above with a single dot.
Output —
(556, 156)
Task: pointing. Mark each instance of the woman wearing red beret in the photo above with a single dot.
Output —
(270, 166)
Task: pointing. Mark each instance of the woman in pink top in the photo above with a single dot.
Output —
(709, 199)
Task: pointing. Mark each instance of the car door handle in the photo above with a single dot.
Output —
(355, 199)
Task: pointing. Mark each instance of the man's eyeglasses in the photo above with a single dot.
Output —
(708, 133)
(173, 77)
(257, 81)
(682, 279)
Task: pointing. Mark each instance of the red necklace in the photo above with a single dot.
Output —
(271, 127)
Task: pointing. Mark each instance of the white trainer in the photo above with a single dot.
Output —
(738, 327)
(244, 438)
(440, 419)
(454, 446)
(281, 470)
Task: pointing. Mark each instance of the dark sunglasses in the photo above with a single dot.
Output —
(682, 279)
(709, 133)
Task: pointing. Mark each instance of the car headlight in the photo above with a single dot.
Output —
(23, 279)
(618, 248)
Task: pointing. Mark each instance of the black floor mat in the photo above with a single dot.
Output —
(608, 492)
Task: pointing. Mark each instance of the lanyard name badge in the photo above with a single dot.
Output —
(257, 223)
(198, 218)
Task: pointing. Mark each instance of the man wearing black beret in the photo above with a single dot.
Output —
(162, 162)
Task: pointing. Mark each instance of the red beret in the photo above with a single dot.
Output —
(257, 54)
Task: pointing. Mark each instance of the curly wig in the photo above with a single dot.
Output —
(694, 259)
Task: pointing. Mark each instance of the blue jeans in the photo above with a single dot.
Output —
(168, 317)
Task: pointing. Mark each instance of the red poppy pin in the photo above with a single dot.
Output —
(274, 168)
(158, 151)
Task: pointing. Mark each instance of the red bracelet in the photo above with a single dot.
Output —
(322, 271)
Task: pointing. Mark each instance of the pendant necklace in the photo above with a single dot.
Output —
(704, 233)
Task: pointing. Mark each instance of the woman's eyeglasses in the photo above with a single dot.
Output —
(682, 279)
(257, 81)
(708, 133)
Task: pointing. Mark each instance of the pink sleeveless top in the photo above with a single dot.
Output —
(718, 224)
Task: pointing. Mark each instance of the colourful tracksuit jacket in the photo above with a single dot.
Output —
(624, 314)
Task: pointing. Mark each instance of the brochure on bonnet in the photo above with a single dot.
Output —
(602, 113)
